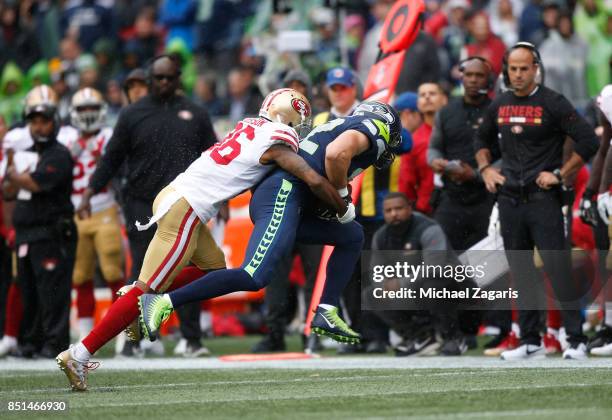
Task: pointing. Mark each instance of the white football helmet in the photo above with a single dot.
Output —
(88, 110)
(290, 107)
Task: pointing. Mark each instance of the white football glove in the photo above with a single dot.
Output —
(604, 206)
(349, 216)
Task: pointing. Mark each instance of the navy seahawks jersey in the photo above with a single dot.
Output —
(313, 147)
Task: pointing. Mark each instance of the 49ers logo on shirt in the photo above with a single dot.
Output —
(49, 264)
(520, 114)
(185, 115)
(301, 107)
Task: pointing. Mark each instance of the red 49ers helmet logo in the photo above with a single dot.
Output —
(301, 107)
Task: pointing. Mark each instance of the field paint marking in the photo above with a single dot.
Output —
(243, 382)
(327, 395)
(501, 413)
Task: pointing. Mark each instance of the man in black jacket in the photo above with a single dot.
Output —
(530, 123)
(159, 136)
(422, 242)
(41, 182)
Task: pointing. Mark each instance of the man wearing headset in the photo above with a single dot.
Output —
(530, 123)
(465, 204)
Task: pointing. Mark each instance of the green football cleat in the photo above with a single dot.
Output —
(327, 322)
(154, 311)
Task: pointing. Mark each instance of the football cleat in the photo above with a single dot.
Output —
(154, 311)
(576, 351)
(602, 338)
(75, 371)
(132, 331)
(425, 346)
(551, 344)
(605, 350)
(327, 322)
(510, 342)
(524, 352)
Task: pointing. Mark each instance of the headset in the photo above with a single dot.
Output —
(491, 76)
(537, 60)
(152, 61)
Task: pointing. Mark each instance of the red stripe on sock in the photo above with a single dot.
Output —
(120, 315)
(85, 300)
(174, 246)
(14, 311)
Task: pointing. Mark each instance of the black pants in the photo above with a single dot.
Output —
(537, 220)
(365, 322)
(464, 225)
(278, 300)
(136, 209)
(45, 276)
(6, 279)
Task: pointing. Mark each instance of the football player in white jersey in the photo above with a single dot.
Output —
(181, 210)
(99, 235)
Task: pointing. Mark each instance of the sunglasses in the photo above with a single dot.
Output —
(168, 77)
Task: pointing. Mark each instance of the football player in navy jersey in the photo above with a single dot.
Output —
(284, 211)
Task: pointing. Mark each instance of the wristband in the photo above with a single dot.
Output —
(343, 192)
(482, 168)
(557, 173)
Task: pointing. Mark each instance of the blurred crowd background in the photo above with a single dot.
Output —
(234, 51)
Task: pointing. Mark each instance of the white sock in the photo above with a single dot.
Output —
(85, 326)
(166, 297)
(10, 340)
(608, 314)
(326, 306)
(80, 353)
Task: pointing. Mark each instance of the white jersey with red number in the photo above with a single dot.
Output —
(232, 165)
(86, 154)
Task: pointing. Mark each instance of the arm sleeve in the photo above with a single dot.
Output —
(575, 126)
(116, 151)
(486, 135)
(435, 143)
(52, 171)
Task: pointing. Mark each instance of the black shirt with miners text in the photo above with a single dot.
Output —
(37, 215)
(531, 131)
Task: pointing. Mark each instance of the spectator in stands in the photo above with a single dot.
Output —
(454, 36)
(342, 85)
(88, 20)
(180, 50)
(38, 75)
(416, 178)
(593, 24)
(244, 96)
(485, 43)
(18, 42)
(135, 86)
(504, 21)
(11, 93)
(178, 17)
(565, 56)
(70, 51)
(205, 95)
(105, 53)
(88, 71)
(145, 40)
(298, 80)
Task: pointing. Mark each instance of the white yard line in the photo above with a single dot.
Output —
(389, 362)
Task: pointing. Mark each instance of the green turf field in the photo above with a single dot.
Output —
(328, 388)
(330, 394)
